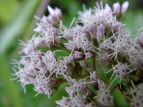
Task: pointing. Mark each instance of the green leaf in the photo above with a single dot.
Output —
(12, 31)
(7, 38)
(119, 99)
(7, 9)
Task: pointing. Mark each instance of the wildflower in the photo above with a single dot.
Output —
(95, 40)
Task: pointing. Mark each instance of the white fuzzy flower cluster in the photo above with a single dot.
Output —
(104, 98)
(95, 41)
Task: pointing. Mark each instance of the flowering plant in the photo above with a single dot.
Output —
(98, 58)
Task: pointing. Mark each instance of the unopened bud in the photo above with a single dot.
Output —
(28, 50)
(116, 8)
(100, 31)
(51, 21)
(55, 13)
(92, 30)
(93, 76)
(25, 61)
(125, 6)
(40, 42)
(108, 9)
(79, 55)
(44, 20)
(116, 27)
(39, 28)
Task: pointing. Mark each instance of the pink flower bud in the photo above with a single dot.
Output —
(39, 28)
(70, 46)
(39, 42)
(70, 58)
(92, 30)
(94, 76)
(125, 6)
(51, 11)
(79, 55)
(44, 19)
(28, 50)
(58, 13)
(137, 62)
(26, 80)
(51, 21)
(30, 72)
(40, 64)
(116, 26)
(25, 61)
(100, 31)
(116, 8)
(88, 55)
(108, 9)
(55, 13)
(51, 81)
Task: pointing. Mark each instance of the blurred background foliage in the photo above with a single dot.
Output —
(17, 22)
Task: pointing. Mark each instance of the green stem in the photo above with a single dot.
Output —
(14, 30)
(96, 44)
(94, 62)
(78, 69)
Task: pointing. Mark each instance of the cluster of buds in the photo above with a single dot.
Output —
(120, 10)
(97, 41)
